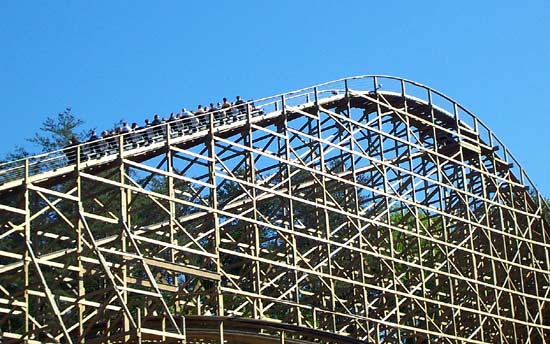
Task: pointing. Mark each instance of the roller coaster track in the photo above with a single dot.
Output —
(345, 212)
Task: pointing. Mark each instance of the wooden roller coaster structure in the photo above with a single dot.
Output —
(347, 212)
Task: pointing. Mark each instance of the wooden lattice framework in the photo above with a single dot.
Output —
(367, 209)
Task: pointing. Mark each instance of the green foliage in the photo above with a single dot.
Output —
(18, 153)
(54, 134)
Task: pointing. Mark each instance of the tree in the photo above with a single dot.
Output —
(18, 153)
(54, 134)
(56, 131)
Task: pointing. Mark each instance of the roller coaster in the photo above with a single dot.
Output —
(370, 209)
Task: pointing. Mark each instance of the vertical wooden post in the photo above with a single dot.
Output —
(26, 257)
(215, 221)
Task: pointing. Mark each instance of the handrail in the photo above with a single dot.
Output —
(55, 159)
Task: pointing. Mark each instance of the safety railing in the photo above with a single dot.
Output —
(111, 146)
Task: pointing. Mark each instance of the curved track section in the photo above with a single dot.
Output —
(341, 213)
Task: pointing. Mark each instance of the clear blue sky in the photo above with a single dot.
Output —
(129, 59)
